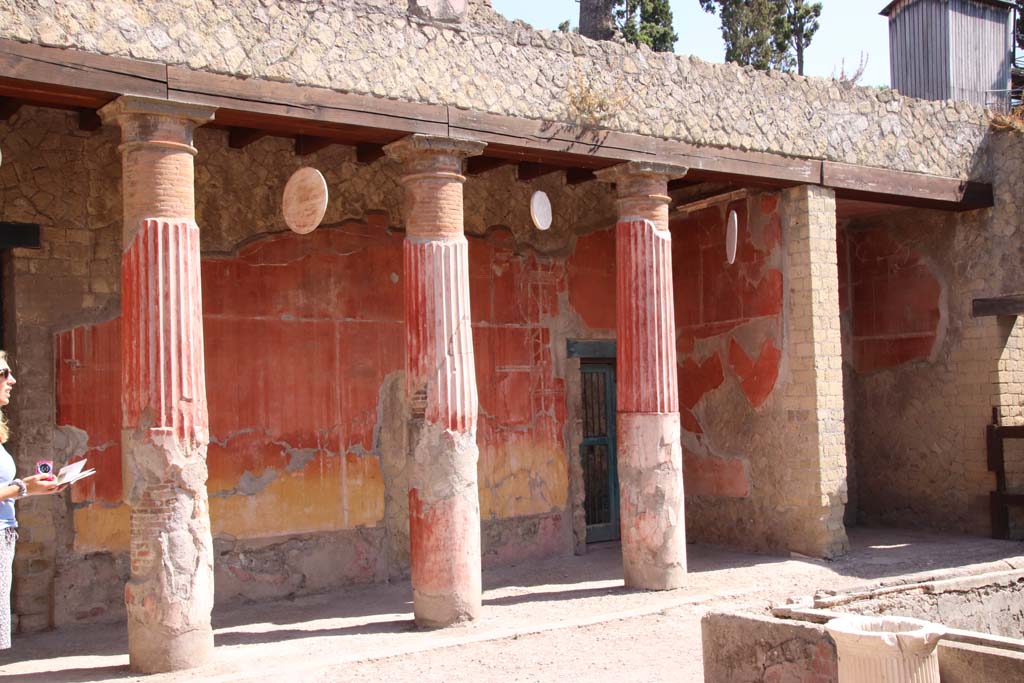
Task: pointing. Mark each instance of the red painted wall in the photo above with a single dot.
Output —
(301, 332)
(892, 299)
(715, 302)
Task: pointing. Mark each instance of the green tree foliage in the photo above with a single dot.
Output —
(646, 21)
(766, 34)
(1019, 27)
(795, 28)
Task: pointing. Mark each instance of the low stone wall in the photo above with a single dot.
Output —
(982, 614)
(488, 64)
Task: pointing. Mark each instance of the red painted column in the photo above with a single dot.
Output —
(444, 506)
(165, 427)
(649, 450)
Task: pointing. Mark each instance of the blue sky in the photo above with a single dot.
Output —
(848, 28)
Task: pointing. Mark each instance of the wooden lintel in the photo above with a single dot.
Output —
(8, 108)
(239, 138)
(529, 170)
(307, 144)
(24, 235)
(367, 152)
(907, 189)
(576, 176)
(713, 200)
(89, 120)
(84, 71)
(77, 79)
(478, 165)
(1011, 304)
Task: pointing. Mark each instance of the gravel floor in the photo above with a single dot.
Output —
(542, 621)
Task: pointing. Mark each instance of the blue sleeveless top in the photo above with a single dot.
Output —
(7, 474)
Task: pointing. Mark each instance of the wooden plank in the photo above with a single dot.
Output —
(577, 176)
(89, 120)
(367, 153)
(713, 200)
(307, 144)
(82, 70)
(918, 189)
(1010, 432)
(1011, 304)
(477, 165)
(8, 108)
(305, 102)
(611, 145)
(529, 170)
(240, 138)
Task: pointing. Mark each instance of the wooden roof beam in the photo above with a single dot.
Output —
(577, 176)
(1011, 304)
(240, 138)
(530, 170)
(368, 152)
(8, 108)
(712, 200)
(89, 120)
(478, 165)
(308, 144)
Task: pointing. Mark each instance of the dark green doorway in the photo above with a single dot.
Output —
(597, 450)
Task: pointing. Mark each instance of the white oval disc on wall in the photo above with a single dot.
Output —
(305, 200)
(732, 228)
(540, 210)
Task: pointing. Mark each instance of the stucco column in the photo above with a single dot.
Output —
(815, 457)
(649, 449)
(444, 506)
(163, 392)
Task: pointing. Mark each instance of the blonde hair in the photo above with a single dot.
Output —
(5, 429)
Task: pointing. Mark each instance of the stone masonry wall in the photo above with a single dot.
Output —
(488, 64)
(61, 304)
(919, 431)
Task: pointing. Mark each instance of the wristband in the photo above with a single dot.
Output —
(22, 488)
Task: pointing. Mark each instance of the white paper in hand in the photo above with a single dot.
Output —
(73, 472)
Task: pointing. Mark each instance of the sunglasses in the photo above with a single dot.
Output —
(5, 374)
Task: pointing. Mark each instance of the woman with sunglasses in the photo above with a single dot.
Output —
(11, 489)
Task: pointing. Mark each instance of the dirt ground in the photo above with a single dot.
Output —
(555, 620)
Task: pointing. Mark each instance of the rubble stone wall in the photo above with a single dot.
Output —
(921, 402)
(488, 64)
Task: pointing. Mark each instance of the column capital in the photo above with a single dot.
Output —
(642, 188)
(418, 144)
(128, 105)
(152, 121)
(630, 169)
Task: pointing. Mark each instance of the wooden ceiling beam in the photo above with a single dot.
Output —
(576, 176)
(308, 144)
(1011, 304)
(368, 152)
(89, 120)
(478, 165)
(8, 108)
(240, 138)
(530, 170)
(712, 200)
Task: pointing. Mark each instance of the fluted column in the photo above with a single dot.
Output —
(649, 449)
(165, 427)
(444, 507)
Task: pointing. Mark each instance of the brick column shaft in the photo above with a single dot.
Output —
(165, 428)
(813, 394)
(444, 506)
(650, 460)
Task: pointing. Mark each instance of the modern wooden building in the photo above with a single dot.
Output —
(951, 49)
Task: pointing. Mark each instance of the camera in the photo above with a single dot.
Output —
(44, 467)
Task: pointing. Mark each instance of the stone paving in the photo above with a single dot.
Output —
(541, 621)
